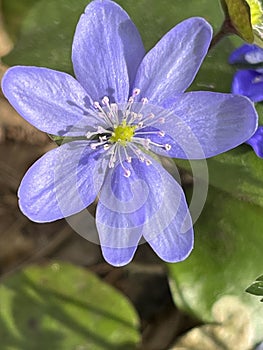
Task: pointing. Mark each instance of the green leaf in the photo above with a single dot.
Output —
(46, 32)
(64, 307)
(238, 172)
(239, 13)
(227, 254)
(256, 14)
(256, 287)
(245, 18)
(14, 14)
(215, 73)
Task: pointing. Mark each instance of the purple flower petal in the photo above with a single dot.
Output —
(52, 101)
(256, 142)
(204, 124)
(62, 182)
(118, 256)
(107, 50)
(247, 53)
(122, 210)
(248, 82)
(170, 234)
(148, 203)
(171, 66)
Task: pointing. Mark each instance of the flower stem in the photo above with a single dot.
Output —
(226, 29)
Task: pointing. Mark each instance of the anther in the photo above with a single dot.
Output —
(136, 92)
(131, 99)
(96, 104)
(127, 173)
(101, 130)
(105, 100)
(167, 147)
(149, 117)
(103, 114)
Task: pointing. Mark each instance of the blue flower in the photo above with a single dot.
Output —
(247, 53)
(256, 142)
(123, 107)
(249, 82)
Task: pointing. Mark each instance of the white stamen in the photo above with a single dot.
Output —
(159, 133)
(89, 134)
(136, 151)
(130, 116)
(102, 130)
(160, 120)
(142, 141)
(97, 105)
(147, 143)
(115, 110)
(113, 157)
(134, 116)
(102, 113)
(94, 145)
(128, 158)
(106, 100)
(127, 172)
(149, 117)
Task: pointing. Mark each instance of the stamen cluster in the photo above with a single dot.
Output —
(128, 130)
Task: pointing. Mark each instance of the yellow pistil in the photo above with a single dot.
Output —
(256, 12)
(123, 133)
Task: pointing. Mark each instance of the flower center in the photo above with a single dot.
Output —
(256, 12)
(123, 133)
(126, 130)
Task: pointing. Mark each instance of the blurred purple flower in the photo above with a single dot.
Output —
(123, 106)
(247, 53)
(249, 82)
(256, 142)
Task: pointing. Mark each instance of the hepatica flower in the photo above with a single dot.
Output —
(123, 107)
(249, 82)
